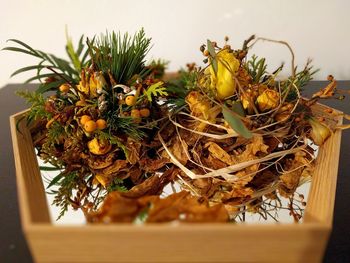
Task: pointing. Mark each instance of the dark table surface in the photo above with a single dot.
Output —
(13, 247)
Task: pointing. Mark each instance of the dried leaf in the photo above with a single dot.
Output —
(151, 186)
(213, 162)
(97, 162)
(328, 91)
(116, 208)
(184, 207)
(152, 165)
(179, 150)
(217, 152)
(115, 167)
(133, 150)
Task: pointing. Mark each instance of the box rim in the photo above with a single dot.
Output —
(30, 225)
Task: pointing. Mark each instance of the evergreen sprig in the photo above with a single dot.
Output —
(256, 68)
(67, 184)
(117, 185)
(121, 55)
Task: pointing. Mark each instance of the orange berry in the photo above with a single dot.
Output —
(64, 87)
(130, 100)
(84, 119)
(101, 124)
(80, 103)
(135, 113)
(145, 112)
(90, 126)
(206, 53)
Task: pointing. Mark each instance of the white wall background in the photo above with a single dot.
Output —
(316, 29)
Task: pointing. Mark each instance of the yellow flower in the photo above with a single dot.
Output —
(91, 84)
(98, 147)
(223, 82)
(248, 98)
(319, 132)
(268, 99)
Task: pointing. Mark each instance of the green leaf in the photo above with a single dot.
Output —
(235, 122)
(212, 53)
(55, 180)
(24, 45)
(49, 168)
(156, 90)
(39, 77)
(17, 49)
(80, 46)
(28, 68)
(237, 107)
(44, 87)
(74, 57)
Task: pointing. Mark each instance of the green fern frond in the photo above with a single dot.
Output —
(156, 90)
(37, 102)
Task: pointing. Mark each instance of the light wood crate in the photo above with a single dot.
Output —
(304, 242)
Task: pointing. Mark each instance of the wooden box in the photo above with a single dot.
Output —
(304, 242)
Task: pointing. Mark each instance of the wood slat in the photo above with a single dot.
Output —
(30, 188)
(189, 243)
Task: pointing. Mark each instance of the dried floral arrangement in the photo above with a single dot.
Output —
(228, 139)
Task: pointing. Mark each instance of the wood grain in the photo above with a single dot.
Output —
(321, 199)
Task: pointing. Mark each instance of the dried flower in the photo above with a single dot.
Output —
(319, 132)
(100, 81)
(268, 99)
(99, 147)
(248, 98)
(199, 105)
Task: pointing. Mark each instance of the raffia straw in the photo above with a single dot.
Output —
(188, 185)
(275, 163)
(240, 166)
(278, 42)
(214, 136)
(187, 154)
(188, 172)
(227, 170)
(207, 122)
(224, 175)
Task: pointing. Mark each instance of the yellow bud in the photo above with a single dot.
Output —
(224, 81)
(99, 148)
(268, 99)
(319, 132)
